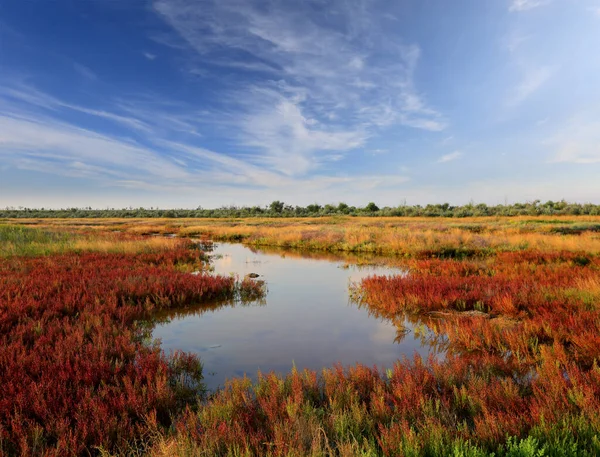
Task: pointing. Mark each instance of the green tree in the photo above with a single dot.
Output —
(343, 208)
(372, 207)
(276, 206)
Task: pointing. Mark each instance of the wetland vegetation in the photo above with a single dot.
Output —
(514, 301)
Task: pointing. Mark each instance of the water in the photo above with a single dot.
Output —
(306, 319)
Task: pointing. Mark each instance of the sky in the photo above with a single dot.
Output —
(188, 103)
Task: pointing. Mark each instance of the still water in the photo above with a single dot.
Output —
(306, 319)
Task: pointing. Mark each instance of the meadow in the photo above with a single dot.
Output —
(515, 302)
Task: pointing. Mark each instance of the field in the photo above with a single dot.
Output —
(514, 302)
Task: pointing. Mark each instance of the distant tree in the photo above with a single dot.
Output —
(343, 208)
(279, 209)
(371, 207)
(276, 206)
(329, 209)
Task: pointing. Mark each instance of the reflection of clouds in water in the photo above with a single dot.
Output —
(225, 260)
(385, 332)
(254, 260)
(309, 318)
(356, 274)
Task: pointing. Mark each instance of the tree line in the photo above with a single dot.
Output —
(280, 209)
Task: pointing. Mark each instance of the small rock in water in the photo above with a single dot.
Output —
(252, 275)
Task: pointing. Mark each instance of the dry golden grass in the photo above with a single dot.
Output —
(113, 245)
(385, 235)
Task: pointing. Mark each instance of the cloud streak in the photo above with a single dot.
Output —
(323, 87)
(532, 81)
(84, 71)
(526, 5)
(450, 157)
(578, 142)
(38, 141)
(32, 97)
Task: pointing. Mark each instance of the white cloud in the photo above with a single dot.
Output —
(450, 157)
(287, 139)
(32, 96)
(85, 72)
(378, 151)
(525, 5)
(515, 40)
(542, 121)
(48, 141)
(533, 79)
(35, 141)
(577, 142)
(335, 84)
(149, 56)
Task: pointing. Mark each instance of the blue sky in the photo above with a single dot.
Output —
(186, 103)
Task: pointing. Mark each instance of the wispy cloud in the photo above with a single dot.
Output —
(85, 71)
(286, 139)
(46, 141)
(39, 141)
(326, 87)
(450, 157)
(515, 40)
(525, 5)
(532, 80)
(149, 56)
(33, 97)
(578, 141)
(378, 151)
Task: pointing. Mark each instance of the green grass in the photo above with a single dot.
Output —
(576, 229)
(16, 240)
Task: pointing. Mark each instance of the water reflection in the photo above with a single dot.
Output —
(347, 258)
(306, 319)
(165, 316)
(423, 326)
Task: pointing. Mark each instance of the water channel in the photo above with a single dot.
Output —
(306, 319)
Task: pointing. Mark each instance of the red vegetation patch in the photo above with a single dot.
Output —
(541, 294)
(417, 409)
(74, 371)
(524, 364)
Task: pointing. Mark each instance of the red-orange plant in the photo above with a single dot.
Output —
(74, 370)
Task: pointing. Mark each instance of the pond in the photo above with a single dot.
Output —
(306, 319)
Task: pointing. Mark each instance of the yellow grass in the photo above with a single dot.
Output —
(114, 245)
(385, 235)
